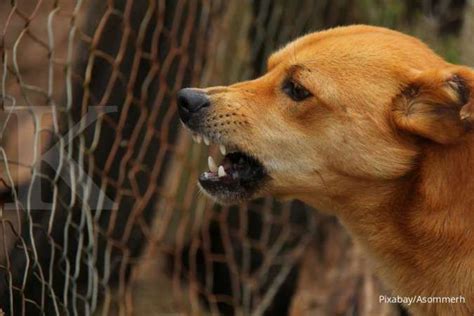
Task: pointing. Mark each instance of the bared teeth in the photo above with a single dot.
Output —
(221, 172)
(212, 165)
(222, 149)
(197, 138)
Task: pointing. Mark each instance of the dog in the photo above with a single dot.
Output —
(370, 125)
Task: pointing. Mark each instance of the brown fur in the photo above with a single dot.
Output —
(384, 143)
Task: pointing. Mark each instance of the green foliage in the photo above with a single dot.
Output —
(388, 13)
(399, 15)
(450, 49)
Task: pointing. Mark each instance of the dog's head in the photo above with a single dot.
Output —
(335, 109)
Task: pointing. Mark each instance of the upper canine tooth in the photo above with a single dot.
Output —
(206, 140)
(221, 172)
(198, 139)
(222, 149)
(212, 164)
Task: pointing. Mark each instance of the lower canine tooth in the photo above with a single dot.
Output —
(212, 164)
(222, 149)
(221, 172)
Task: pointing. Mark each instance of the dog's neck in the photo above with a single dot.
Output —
(420, 225)
(439, 195)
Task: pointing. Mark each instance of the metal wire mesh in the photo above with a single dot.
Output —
(99, 208)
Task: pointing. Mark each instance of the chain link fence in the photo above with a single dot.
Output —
(100, 213)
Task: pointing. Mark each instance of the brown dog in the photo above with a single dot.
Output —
(368, 124)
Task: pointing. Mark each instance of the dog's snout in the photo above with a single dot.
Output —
(191, 101)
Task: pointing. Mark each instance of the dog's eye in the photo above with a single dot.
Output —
(295, 91)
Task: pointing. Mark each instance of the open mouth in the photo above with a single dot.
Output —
(237, 177)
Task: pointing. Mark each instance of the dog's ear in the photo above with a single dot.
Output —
(437, 105)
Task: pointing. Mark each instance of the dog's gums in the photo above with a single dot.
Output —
(238, 177)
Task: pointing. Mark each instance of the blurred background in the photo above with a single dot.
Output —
(99, 209)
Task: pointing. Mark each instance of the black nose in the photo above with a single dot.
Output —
(191, 101)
